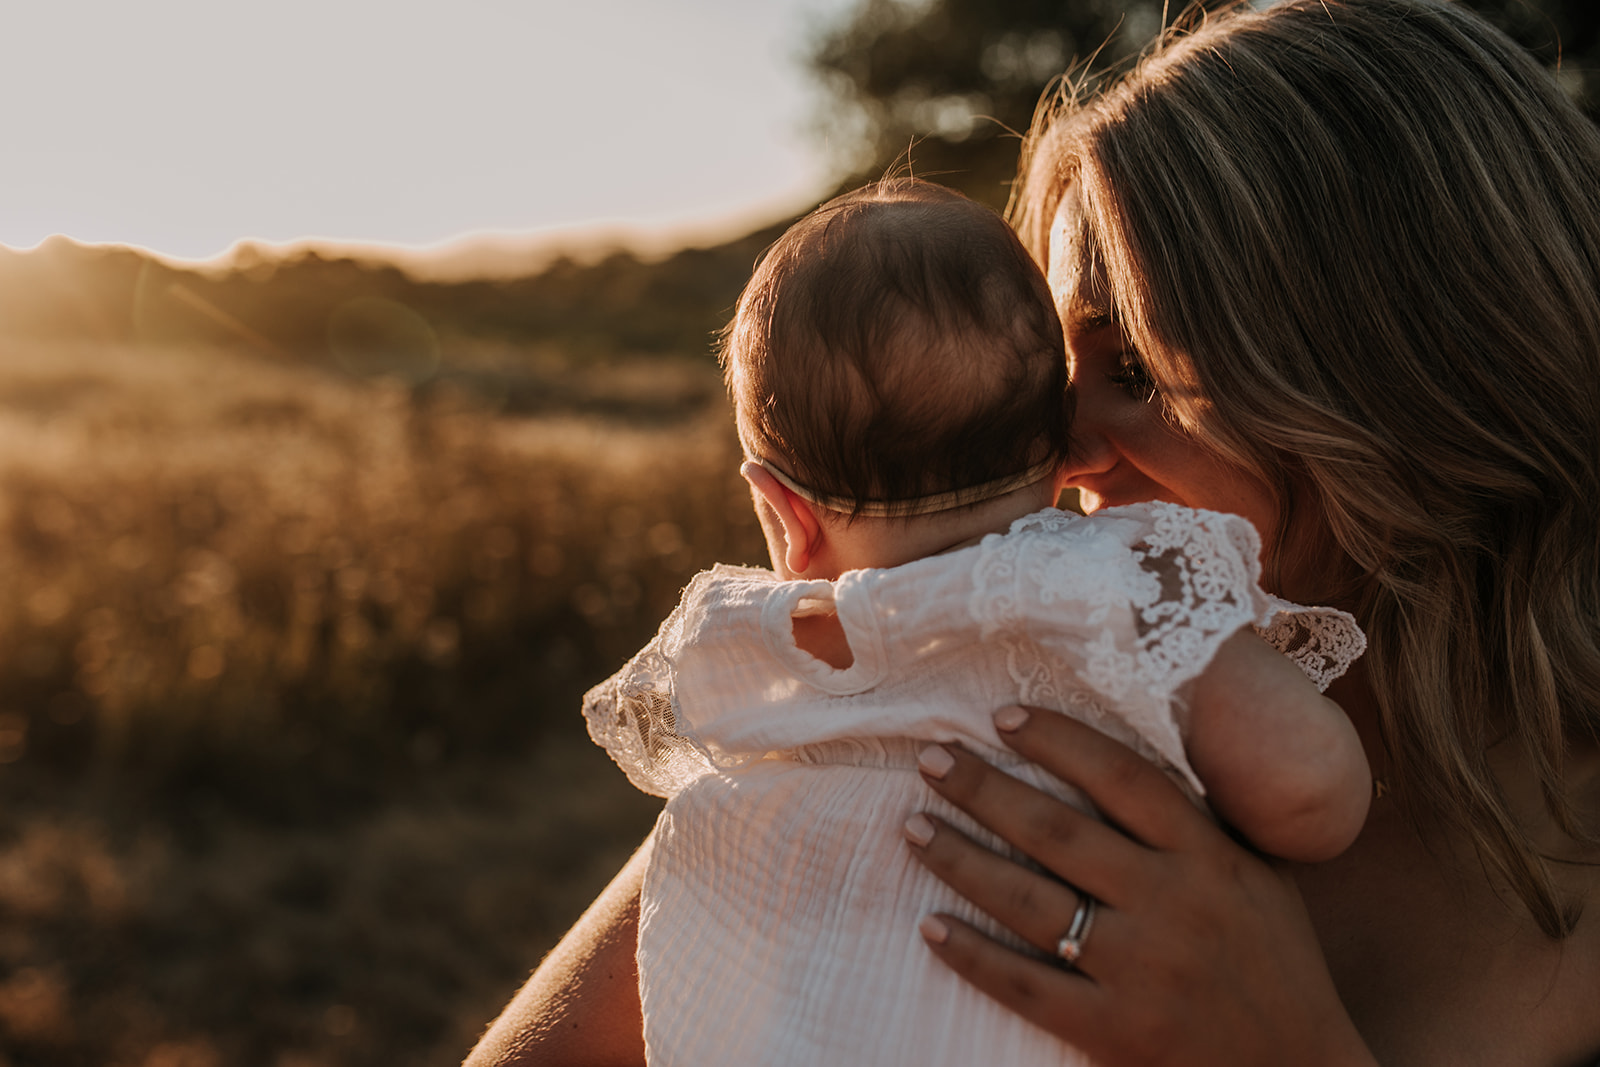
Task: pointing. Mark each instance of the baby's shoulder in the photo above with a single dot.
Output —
(728, 582)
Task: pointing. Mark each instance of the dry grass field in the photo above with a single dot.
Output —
(291, 767)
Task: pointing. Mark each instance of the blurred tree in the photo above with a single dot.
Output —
(949, 84)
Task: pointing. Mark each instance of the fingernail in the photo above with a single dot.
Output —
(919, 829)
(1008, 719)
(935, 761)
(933, 929)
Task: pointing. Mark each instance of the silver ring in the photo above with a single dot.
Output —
(1070, 948)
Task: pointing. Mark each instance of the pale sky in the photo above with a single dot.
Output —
(185, 125)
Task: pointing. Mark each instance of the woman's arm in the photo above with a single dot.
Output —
(1199, 952)
(581, 1007)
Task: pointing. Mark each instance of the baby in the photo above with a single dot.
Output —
(899, 379)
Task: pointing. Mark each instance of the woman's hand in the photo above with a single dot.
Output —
(1199, 952)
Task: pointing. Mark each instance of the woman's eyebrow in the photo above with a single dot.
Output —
(1086, 318)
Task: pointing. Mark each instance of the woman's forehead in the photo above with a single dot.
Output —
(1076, 272)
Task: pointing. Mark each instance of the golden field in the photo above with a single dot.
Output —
(291, 766)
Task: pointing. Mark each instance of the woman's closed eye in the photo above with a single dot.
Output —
(1131, 376)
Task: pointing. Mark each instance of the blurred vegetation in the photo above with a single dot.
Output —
(951, 84)
(307, 569)
(212, 563)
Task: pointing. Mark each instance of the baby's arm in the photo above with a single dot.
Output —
(1281, 763)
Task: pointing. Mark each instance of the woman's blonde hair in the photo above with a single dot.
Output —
(1357, 245)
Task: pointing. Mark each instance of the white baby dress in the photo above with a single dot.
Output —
(778, 923)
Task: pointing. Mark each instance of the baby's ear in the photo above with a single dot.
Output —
(802, 533)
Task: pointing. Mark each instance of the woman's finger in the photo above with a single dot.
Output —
(1038, 909)
(1105, 1023)
(1075, 847)
(1052, 997)
(1128, 789)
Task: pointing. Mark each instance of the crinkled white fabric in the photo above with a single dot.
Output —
(778, 920)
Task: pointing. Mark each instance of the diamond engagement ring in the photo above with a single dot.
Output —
(1070, 947)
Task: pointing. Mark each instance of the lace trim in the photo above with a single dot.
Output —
(1322, 642)
(1074, 608)
(632, 716)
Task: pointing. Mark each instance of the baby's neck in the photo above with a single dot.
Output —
(869, 543)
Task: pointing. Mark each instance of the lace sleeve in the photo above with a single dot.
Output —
(632, 716)
(1124, 607)
(1322, 642)
(1201, 585)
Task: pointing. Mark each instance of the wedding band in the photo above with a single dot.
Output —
(1070, 947)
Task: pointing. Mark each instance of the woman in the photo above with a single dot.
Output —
(1334, 266)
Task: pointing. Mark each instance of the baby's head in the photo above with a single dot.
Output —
(897, 358)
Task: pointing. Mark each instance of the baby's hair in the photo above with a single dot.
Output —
(896, 343)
